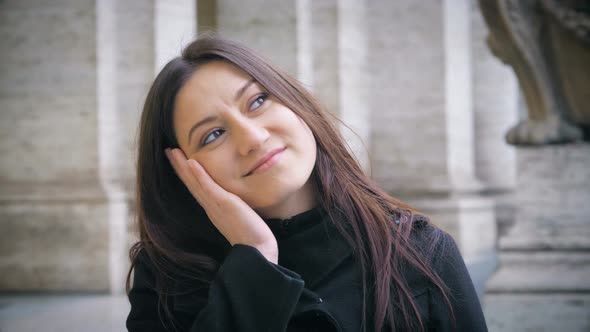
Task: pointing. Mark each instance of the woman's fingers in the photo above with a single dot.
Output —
(194, 176)
(179, 163)
(181, 171)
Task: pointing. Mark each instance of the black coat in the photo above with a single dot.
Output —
(315, 287)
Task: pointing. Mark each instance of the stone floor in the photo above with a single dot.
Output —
(63, 313)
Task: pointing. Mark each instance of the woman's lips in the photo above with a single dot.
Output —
(269, 160)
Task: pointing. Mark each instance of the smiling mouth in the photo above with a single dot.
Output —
(268, 161)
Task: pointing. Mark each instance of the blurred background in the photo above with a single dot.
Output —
(493, 145)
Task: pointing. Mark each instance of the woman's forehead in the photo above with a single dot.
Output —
(219, 74)
(214, 82)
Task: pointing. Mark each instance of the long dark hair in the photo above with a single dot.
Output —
(183, 245)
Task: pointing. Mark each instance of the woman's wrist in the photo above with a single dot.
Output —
(270, 252)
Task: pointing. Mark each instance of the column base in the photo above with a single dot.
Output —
(54, 238)
(542, 283)
(537, 312)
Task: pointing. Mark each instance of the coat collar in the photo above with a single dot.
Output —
(310, 245)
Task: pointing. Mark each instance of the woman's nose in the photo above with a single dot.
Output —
(250, 135)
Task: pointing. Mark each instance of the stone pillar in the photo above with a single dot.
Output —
(175, 25)
(53, 210)
(542, 283)
(353, 82)
(74, 78)
(325, 53)
(422, 120)
(495, 105)
(339, 60)
(274, 32)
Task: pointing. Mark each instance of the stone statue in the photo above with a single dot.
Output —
(547, 43)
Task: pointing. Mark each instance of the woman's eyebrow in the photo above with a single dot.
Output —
(208, 119)
(241, 91)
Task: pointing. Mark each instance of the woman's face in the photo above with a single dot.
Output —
(229, 124)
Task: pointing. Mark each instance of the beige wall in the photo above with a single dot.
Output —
(75, 74)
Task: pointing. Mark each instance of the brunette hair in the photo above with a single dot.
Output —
(184, 246)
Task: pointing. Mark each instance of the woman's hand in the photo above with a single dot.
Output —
(237, 221)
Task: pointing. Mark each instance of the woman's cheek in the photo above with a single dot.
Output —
(214, 173)
(224, 179)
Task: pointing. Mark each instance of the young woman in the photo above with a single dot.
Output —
(254, 216)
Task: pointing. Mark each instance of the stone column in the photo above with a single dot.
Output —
(74, 78)
(53, 211)
(324, 19)
(339, 60)
(354, 98)
(175, 25)
(495, 105)
(422, 120)
(279, 33)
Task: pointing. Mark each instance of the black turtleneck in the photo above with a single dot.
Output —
(283, 228)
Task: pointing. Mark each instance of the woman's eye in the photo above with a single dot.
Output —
(258, 102)
(212, 136)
